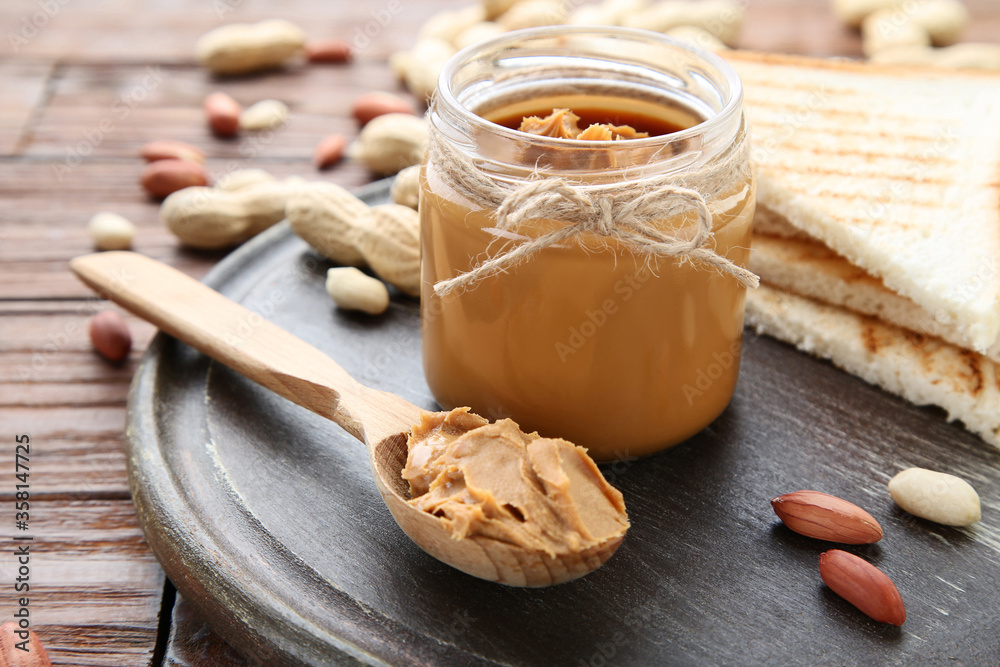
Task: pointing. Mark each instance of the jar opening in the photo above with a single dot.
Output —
(522, 69)
(575, 113)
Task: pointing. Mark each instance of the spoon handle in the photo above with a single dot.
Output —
(243, 340)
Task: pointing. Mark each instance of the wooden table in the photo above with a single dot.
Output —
(85, 83)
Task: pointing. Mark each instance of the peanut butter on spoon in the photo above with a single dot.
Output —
(496, 482)
(573, 517)
(564, 124)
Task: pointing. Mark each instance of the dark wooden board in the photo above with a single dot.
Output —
(193, 644)
(266, 518)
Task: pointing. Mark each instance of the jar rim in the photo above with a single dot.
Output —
(732, 107)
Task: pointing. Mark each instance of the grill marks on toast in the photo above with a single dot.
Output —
(847, 172)
(867, 155)
(895, 169)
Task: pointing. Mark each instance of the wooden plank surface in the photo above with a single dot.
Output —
(55, 388)
(24, 87)
(69, 68)
(95, 587)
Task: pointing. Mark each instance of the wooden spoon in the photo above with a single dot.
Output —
(274, 358)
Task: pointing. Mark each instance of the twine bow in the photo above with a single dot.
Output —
(622, 216)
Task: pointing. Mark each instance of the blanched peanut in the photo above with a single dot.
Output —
(110, 231)
(351, 289)
(391, 142)
(533, 14)
(240, 48)
(264, 115)
(936, 496)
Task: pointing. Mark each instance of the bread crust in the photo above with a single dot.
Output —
(922, 369)
(808, 268)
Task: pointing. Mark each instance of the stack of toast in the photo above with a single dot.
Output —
(877, 236)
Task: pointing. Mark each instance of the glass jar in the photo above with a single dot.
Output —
(618, 340)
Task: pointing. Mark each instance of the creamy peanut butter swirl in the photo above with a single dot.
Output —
(495, 481)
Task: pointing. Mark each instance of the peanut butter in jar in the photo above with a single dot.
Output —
(592, 290)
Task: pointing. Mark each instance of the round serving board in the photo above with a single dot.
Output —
(266, 518)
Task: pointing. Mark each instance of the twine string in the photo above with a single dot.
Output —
(625, 212)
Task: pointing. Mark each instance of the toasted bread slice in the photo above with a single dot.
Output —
(809, 268)
(921, 369)
(897, 169)
(766, 221)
